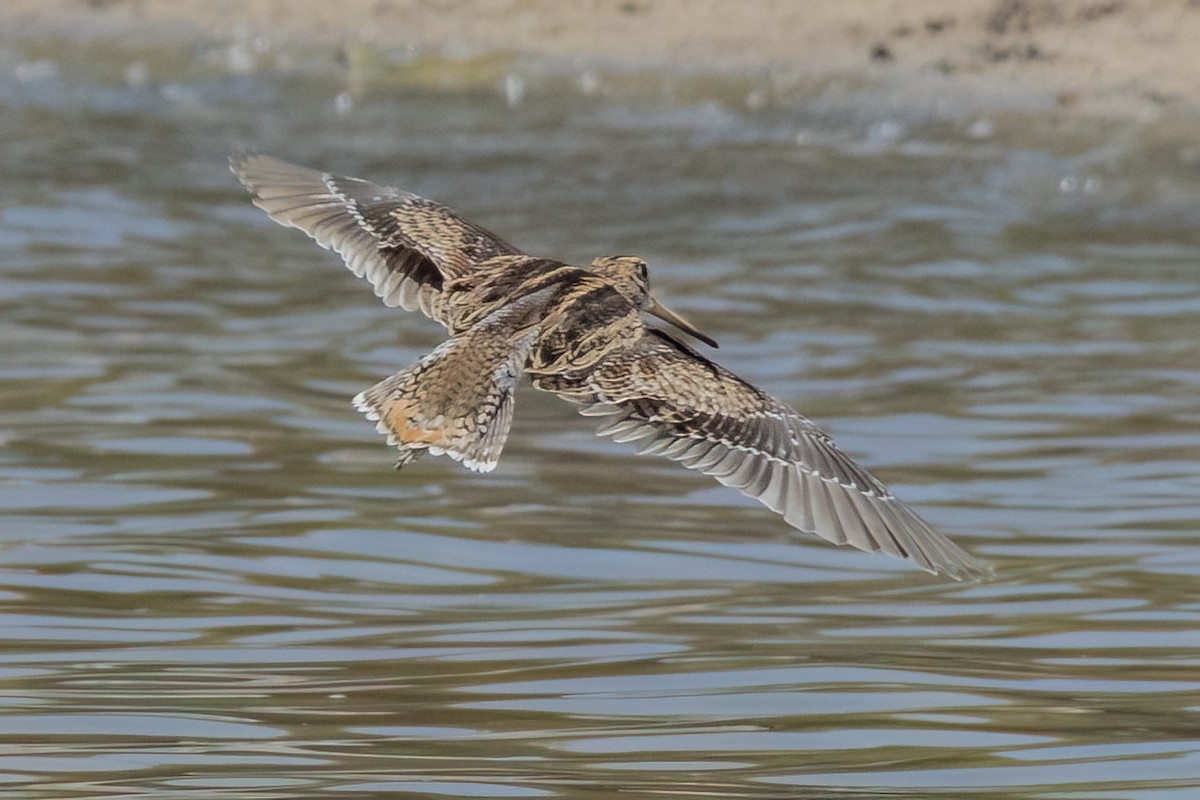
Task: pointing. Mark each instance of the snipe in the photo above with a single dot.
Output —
(576, 332)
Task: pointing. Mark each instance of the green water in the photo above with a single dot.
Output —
(213, 585)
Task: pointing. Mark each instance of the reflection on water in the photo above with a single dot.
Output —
(214, 586)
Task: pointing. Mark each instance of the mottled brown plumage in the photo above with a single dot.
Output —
(576, 332)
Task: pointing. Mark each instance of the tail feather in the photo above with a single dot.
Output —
(442, 406)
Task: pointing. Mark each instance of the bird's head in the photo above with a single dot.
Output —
(629, 276)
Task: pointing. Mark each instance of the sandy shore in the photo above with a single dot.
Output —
(1105, 56)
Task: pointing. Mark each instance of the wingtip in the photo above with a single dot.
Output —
(968, 570)
(239, 159)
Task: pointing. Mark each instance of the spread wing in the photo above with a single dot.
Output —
(407, 247)
(673, 402)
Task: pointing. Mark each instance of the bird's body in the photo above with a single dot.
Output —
(577, 332)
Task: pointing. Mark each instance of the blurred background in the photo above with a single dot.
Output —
(962, 237)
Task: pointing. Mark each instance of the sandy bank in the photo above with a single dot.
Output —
(1107, 56)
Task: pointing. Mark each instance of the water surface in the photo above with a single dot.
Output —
(213, 585)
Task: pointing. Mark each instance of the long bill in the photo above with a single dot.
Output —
(670, 317)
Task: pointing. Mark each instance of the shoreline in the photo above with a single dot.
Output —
(1127, 59)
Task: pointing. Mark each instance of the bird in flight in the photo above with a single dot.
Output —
(576, 332)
